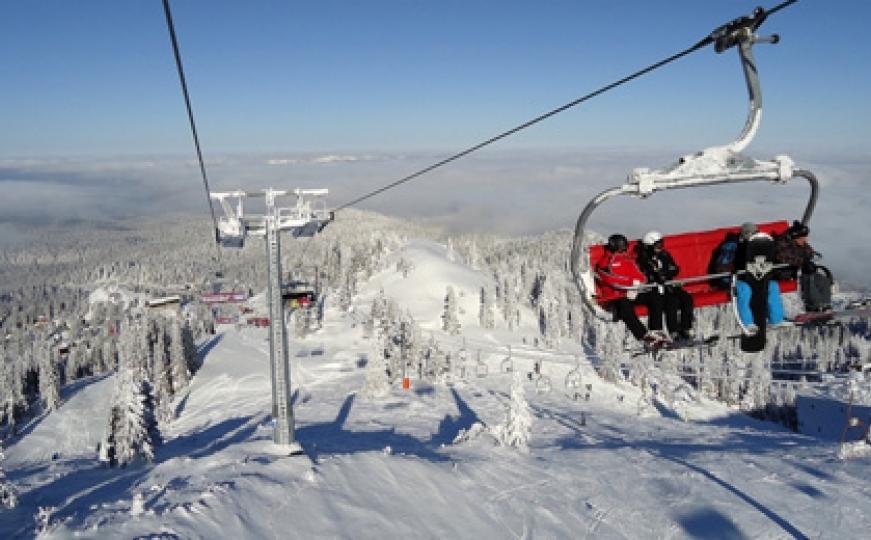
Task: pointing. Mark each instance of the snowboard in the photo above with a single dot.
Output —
(758, 267)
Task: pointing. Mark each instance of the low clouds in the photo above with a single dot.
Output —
(503, 192)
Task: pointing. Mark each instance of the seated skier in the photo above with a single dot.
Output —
(792, 248)
(617, 270)
(757, 294)
(659, 267)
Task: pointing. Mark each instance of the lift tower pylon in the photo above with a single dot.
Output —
(305, 218)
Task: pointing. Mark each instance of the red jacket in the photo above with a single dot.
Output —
(616, 269)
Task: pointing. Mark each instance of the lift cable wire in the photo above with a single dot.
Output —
(718, 36)
(187, 100)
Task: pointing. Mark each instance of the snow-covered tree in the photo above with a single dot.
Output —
(132, 428)
(517, 428)
(8, 493)
(377, 379)
(450, 317)
(758, 390)
(609, 348)
(162, 374)
(180, 373)
(110, 353)
(189, 346)
(12, 400)
(49, 376)
(75, 363)
(486, 316)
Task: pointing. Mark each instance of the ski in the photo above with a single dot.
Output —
(832, 317)
(665, 346)
(691, 344)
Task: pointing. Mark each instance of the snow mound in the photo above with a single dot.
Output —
(423, 291)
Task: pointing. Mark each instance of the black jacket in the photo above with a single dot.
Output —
(657, 267)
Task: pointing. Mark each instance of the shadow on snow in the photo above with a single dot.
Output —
(677, 453)
(334, 438)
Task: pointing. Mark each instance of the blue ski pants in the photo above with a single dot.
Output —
(775, 303)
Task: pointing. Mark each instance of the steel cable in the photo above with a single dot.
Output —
(187, 100)
(707, 40)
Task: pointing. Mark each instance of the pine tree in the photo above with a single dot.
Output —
(609, 349)
(190, 347)
(161, 374)
(179, 372)
(377, 379)
(49, 377)
(485, 314)
(450, 319)
(132, 428)
(8, 493)
(110, 354)
(518, 420)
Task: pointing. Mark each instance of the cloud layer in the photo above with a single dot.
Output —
(503, 192)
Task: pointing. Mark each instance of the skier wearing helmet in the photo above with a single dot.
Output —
(659, 267)
(618, 270)
(792, 248)
(757, 295)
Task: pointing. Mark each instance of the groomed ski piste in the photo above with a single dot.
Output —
(411, 465)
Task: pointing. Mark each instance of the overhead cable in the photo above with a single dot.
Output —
(187, 100)
(759, 16)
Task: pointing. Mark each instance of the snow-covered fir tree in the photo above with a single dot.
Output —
(49, 376)
(377, 383)
(132, 429)
(180, 373)
(346, 295)
(486, 316)
(450, 316)
(189, 346)
(758, 389)
(161, 373)
(517, 428)
(8, 493)
(609, 348)
(110, 353)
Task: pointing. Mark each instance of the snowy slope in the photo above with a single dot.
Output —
(423, 292)
(389, 469)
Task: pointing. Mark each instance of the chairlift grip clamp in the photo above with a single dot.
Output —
(785, 168)
(332, 217)
(740, 29)
(642, 182)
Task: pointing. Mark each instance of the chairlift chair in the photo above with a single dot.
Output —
(711, 166)
(298, 294)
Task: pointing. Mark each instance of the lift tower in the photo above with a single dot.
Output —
(306, 217)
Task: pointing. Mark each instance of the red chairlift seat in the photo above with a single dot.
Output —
(693, 252)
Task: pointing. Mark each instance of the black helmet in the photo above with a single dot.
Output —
(798, 230)
(617, 242)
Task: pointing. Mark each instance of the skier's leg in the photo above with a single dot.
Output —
(743, 293)
(671, 305)
(653, 301)
(624, 310)
(686, 310)
(775, 303)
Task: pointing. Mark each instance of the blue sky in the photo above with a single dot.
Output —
(96, 78)
(93, 125)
